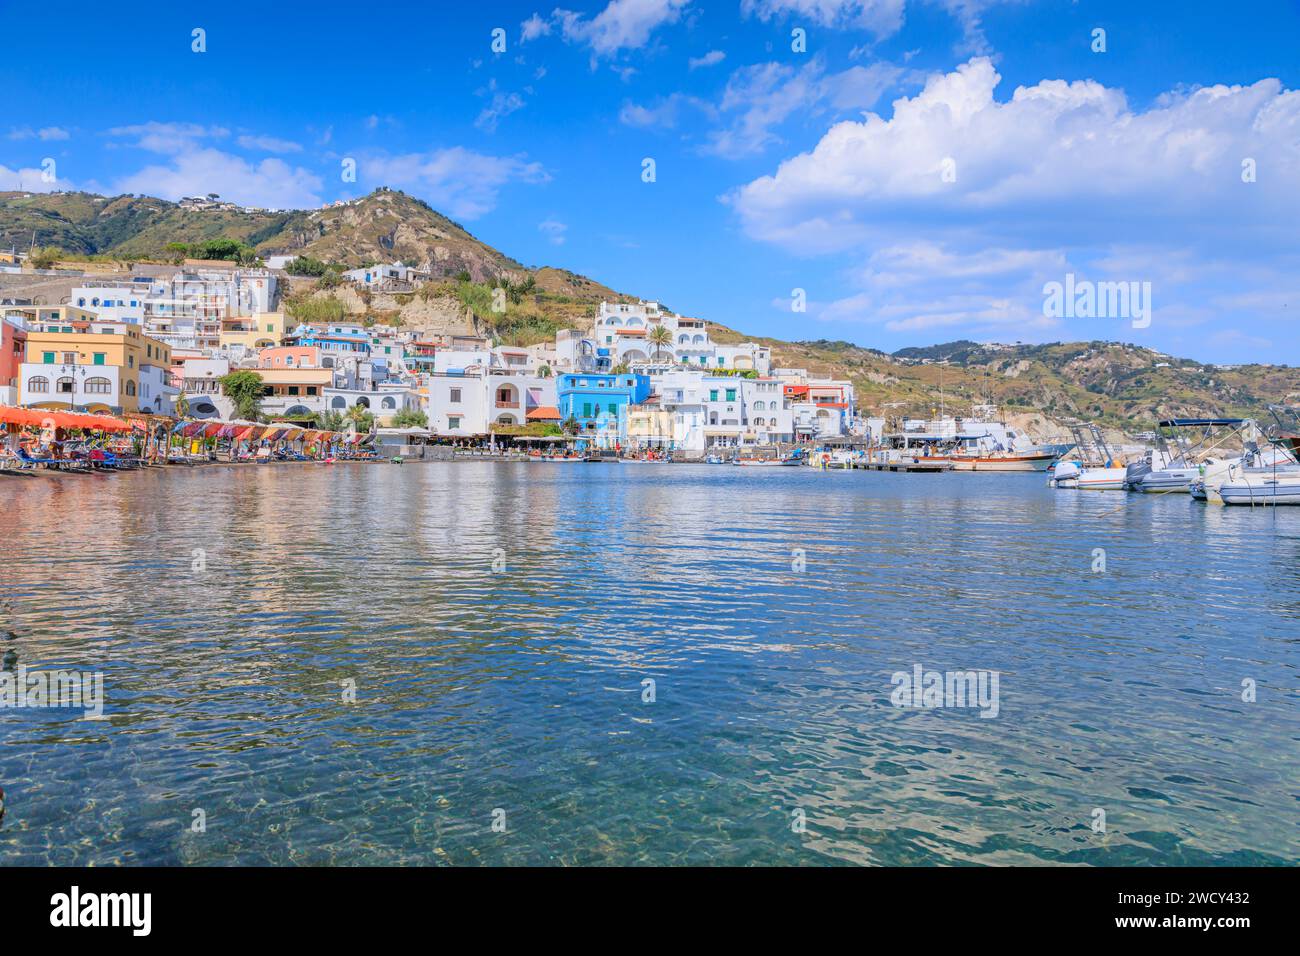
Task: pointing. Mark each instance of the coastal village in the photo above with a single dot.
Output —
(638, 378)
(201, 361)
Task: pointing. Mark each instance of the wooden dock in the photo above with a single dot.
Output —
(927, 467)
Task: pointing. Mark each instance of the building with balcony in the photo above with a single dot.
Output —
(243, 335)
(74, 362)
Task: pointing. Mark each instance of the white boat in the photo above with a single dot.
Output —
(1262, 487)
(1251, 478)
(1185, 453)
(1102, 479)
(1093, 468)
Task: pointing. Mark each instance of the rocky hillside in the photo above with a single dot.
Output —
(384, 226)
(1125, 387)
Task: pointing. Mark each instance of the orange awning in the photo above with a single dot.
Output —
(44, 417)
(543, 413)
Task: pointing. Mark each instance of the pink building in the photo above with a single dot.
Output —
(13, 346)
(290, 356)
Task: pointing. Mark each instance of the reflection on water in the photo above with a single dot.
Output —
(520, 689)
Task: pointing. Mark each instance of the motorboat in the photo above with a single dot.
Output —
(1262, 489)
(1186, 452)
(1261, 476)
(1093, 467)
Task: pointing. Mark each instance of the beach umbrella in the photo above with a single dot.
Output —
(10, 415)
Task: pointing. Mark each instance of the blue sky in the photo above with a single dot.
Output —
(921, 169)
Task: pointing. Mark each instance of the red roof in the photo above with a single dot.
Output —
(543, 413)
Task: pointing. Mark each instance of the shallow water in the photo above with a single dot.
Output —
(520, 689)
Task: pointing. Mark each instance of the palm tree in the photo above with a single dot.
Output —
(182, 405)
(659, 337)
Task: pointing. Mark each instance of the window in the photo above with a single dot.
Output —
(455, 396)
(270, 327)
(713, 394)
(311, 389)
(453, 421)
(38, 383)
(613, 408)
(98, 386)
(338, 402)
(64, 386)
(69, 358)
(293, 389)
(389, 403)
(99, 358)
(130, 388)
(47, 358)
(586, 409)
(731, 394)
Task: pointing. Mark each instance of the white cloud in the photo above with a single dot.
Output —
(1070, 160)
(169, 138)
(664, 114)
(534, 27)
(765, 95)
(623, 25)
(46, 133)
(29, 180)
(712, 58)
(268, 144)
(884, 18)
(457, 181)
(198, 171)
(502, 105)
(554, 230)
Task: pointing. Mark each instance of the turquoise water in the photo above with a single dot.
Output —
(521, 689)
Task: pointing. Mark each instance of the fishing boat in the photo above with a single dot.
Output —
(973, 444)
(1007, 461)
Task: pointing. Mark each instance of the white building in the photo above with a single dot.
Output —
(624, 333)
(115, 303)
(377, 276)
(186, 310)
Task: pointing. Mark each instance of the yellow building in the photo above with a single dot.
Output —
(75, 360)
(246, 333)
(649, 426)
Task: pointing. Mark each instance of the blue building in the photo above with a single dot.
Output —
(599, 402)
